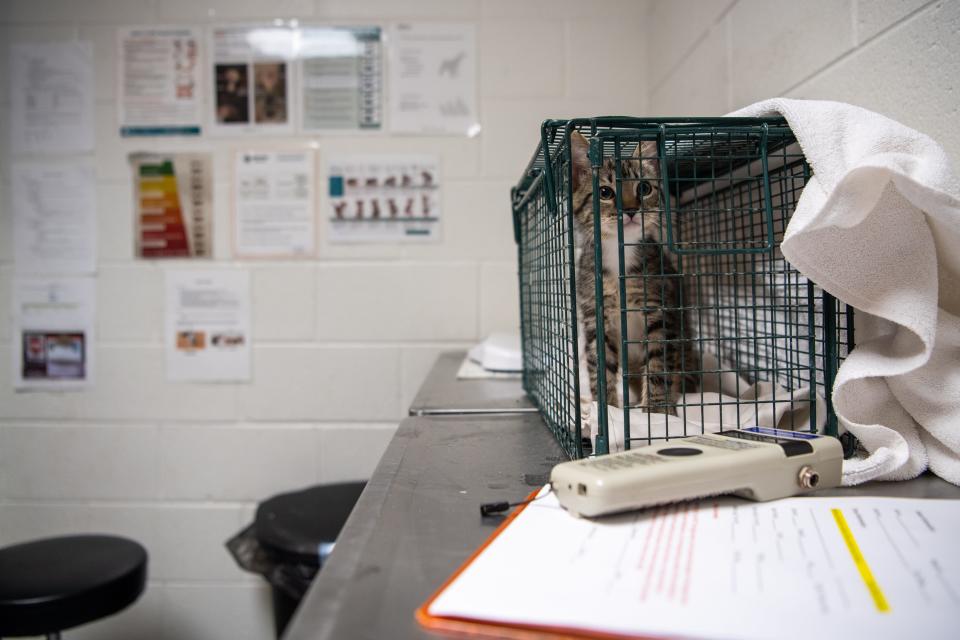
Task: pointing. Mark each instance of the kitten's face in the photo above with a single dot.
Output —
(639, 192)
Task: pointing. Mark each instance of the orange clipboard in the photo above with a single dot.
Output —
(497, 628)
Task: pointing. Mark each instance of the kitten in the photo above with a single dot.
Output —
(660, 347)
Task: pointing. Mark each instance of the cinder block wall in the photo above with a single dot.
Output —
(341, 343)
(897, 57)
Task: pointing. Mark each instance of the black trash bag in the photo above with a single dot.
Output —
(292, 578)
(290, 539)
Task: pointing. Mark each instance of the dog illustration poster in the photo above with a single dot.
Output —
(383, 198)
(433, 79)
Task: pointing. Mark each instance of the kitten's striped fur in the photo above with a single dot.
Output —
(659, 337)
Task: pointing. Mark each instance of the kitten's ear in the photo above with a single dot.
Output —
(579, 157)
(646, 150)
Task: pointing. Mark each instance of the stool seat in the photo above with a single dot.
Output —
(54, 584)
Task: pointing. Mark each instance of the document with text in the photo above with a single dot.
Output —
(797, 568)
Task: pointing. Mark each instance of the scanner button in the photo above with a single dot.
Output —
(680, 451)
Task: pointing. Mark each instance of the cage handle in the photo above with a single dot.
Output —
(552, 203)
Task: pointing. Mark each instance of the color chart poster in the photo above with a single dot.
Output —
(383, 198)
(173, 205)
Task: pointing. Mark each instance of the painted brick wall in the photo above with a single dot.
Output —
(341, 343)
(897, 57)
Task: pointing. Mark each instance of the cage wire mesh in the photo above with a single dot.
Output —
(711, 311)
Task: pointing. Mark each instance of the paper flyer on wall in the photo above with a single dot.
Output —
(51, 97)
(207, 322)
(252, 79)
(53, 337)
(274, 203)
(158, 81)
(173, 205)
(54, 218)
(341, 78)
(433, 79)
(383, 198)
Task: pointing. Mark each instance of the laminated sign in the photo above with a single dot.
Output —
(173, 205)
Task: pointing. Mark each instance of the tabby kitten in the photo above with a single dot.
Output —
(654, 296)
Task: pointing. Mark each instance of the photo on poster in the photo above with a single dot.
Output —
(252, 79)
(341, 78)
(383, 198)
(53, 321)
(53, 355)
(159, 81)
(233, 95)
(173, 205)
(270, 92)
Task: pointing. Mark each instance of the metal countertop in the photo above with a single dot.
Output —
(442, 394)
(419, 517)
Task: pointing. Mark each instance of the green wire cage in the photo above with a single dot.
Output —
(752, 341)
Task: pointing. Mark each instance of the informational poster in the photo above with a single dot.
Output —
(274, 203)
(208, 325)
(383, 198)
(54, 218)
(173, 205)
(159, 81)
(341, 78)
(252, 76)
(51, 97)
(433, 79)
(53, 320)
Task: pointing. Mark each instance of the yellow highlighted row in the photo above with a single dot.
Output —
(878, 598)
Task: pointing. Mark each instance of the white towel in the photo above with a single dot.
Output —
(878, 226)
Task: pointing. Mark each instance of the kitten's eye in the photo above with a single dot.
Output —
(644, 188)
(606, 193)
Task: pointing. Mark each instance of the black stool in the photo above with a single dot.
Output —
(54, 584)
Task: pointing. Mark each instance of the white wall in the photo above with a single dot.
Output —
(898, 57)
(341, 343)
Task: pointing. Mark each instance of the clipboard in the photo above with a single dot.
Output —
(494, 628)
(655, 573)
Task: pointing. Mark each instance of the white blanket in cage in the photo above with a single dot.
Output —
(878, 226)
(724, 401)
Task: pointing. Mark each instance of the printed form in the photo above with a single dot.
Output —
(727, 568)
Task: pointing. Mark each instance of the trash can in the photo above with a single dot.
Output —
(290, 538)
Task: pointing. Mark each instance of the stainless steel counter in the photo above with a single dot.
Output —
(442, 394)
(419, 517)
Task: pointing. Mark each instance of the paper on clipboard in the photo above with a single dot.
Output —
(794, 568)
